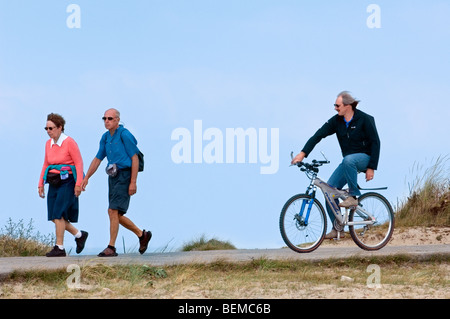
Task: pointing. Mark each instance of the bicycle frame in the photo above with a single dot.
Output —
(331, 194)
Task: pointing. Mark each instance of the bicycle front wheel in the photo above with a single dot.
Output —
(374, 236)
(303, 223)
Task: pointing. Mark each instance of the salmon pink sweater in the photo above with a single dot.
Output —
(66, 154)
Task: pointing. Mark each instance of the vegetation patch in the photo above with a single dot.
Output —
(207, 244)
(401, 276)
(19, 239)
(429, 201)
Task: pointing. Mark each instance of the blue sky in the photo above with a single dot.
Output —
(229, 64)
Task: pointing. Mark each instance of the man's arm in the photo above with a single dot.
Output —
(134, 170)
(372, 133)
(92, 169)
(327, 129)
(369, 174)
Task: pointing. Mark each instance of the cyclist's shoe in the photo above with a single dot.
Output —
(349, 202)
(333, 234)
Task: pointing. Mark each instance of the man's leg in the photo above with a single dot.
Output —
(337, 180)
(352, 164)
(113, 226)
(128, 224)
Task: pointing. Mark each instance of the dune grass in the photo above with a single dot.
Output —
(19, 239)
(429, 201)
(202, 243)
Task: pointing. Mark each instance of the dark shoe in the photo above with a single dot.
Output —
(109, 251)
(56, 252)
(81, 241)
(143, 241)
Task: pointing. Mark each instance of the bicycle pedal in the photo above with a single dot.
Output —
(339, 236)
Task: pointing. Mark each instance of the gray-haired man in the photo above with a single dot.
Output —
(360, 146)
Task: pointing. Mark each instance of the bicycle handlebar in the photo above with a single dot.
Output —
(314, 166)
(310, 167)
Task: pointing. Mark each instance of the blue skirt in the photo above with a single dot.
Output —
(62, 202)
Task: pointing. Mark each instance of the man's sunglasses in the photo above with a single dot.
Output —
(109, 118)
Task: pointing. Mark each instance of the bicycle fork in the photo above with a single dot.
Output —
(306, 203)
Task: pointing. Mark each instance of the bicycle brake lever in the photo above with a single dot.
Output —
(326, 159)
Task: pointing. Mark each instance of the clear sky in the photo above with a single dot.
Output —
(202, 69)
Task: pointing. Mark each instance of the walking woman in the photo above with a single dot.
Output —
(63, 171)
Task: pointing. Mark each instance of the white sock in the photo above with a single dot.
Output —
(78, 235)
(60, 247)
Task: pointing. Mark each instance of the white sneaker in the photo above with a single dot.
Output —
(349, 202)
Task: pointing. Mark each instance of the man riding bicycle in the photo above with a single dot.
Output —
(360, 146)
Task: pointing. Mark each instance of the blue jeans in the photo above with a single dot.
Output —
(347, 173)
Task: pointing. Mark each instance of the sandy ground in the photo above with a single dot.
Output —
(346, 288)
(407, 237)
(421, 236)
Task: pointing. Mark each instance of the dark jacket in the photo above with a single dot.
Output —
(361, 136)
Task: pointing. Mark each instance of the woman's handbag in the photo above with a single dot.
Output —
(54, 179)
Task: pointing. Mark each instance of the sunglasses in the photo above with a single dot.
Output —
(104, 118)
(49, 128)
(338, 105)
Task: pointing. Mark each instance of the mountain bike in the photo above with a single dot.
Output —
(303, 221)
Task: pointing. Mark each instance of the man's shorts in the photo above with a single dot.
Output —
(119, 199)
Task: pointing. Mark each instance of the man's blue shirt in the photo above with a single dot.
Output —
(118, 148)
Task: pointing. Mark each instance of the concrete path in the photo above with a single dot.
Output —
(10, 264)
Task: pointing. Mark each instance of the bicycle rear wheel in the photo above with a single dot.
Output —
(377, 235)
(300, 235)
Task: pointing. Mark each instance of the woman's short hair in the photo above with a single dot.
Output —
(57, 119)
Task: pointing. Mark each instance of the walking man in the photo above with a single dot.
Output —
(120, 148)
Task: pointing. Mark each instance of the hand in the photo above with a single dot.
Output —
(298, 158)
(41, 191)
(77, 191)
(369, 174)
(132, 189)
(84, 184)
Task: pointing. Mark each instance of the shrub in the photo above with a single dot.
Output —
(429, 201)
(203, 244)
(18, 239)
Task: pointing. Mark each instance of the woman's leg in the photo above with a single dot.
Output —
(60, 227)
